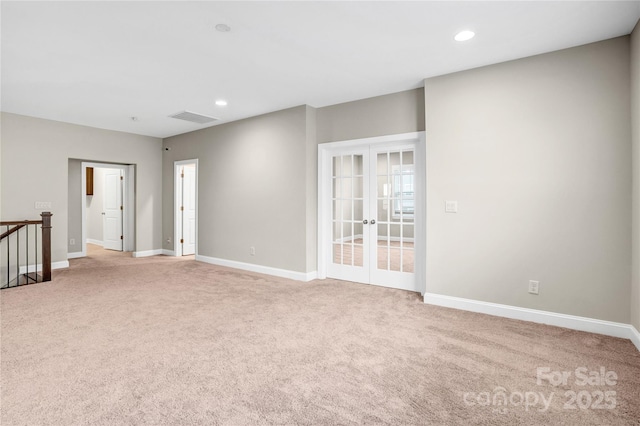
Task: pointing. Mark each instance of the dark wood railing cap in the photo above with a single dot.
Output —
(20, 222)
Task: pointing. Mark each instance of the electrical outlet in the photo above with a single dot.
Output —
(252, 251)
(168, 240)
(534, 286)
(72, 241)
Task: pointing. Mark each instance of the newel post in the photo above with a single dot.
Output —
(46, 246)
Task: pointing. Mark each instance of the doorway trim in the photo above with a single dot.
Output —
(176, 223)
(324, 197)
(128, 203)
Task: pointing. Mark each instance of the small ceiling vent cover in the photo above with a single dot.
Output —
(193, 117)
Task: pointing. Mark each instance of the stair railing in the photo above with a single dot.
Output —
(19, 243)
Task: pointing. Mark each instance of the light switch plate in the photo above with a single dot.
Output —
(42, 205)
(451, 206)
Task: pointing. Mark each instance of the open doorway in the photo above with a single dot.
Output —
(186, 207)
(108, 215)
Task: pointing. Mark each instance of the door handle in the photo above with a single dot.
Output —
(365, 221)
(373, 221)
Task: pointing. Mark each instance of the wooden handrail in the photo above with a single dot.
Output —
(20, 222)
(11, 231)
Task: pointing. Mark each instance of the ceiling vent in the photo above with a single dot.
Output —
(193, 117)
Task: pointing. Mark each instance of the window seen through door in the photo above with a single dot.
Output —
(403, 191)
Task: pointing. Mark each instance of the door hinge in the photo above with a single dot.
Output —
(121, 237)
(121, 207)
(181, 241)
(121, 177)
(182, 175)
(181, 208)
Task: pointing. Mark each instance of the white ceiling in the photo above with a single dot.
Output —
(100, 63)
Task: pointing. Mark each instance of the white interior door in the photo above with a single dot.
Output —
(373, 211)
(189, 209)
(113, 210)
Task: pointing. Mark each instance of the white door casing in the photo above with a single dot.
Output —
(113, 210)
(388, 190)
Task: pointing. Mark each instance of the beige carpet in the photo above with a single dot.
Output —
(114, 341)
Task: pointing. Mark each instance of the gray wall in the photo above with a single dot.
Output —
(537, 154)
(46, 146)
(311, 191)
(635, 123)
(392, 114)
(254, 176)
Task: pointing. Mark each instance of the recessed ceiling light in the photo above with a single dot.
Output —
(221, 102)
(464, 35)
(223, 28)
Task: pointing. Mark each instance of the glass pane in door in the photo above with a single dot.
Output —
(395, 210)
(347, 197)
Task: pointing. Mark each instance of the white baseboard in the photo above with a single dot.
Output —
(147, 253)
(38, 268)
(75, 255)
(166, 252)
(60, 265)
(635, 337)
(298, 276)
(310, 276)
(573, 322)
(96, 242)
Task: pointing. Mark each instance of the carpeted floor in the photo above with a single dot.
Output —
(115, 340)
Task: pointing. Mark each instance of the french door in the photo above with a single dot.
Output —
(373, 210)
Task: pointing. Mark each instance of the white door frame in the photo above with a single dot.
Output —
(128, 199)
(324, 197)
(176, 216)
